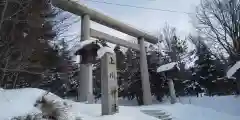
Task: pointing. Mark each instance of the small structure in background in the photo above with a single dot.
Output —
(168, 67)
(168, 70)
(232, 71)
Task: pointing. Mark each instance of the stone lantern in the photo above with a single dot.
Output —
(169, 70)
(88, 53)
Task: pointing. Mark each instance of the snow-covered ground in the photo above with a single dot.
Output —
(191, 112)
(20, 102)
(226, 104)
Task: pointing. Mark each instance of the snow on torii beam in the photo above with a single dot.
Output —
(79, 9)
(113, 39)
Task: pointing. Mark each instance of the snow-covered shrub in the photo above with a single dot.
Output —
(38, 116)
(52, 105)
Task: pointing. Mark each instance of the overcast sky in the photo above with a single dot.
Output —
(148, 20)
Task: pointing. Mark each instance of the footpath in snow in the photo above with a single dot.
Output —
(20, 102)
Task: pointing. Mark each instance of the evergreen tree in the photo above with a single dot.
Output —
(61, 79)
(121, 67)
(97, 74)
(206, 70)
(26, 36)
(173, 49)
(158, 83)
(132, 88)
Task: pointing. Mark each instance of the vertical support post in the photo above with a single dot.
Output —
(172, 91)
(109, 86)
(85, 91)
(147, 96)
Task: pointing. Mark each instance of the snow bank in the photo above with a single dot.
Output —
(226, 104)
(191, 112)
(166, 67)
(233, 69)
(18, 102)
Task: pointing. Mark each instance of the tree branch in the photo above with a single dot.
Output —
(3, 14)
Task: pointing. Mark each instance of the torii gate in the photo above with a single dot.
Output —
(87, 14)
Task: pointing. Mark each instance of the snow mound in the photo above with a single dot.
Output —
(18, 102)
(104, 50)
(166, 67)
(233, 69)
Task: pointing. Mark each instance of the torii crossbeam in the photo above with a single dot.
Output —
(88, 14)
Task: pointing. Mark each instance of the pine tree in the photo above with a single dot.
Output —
(159, 87)
(132, 88)
(97, 74)
(26, 32)
(121, 67)
(206, 71)
(175, 50)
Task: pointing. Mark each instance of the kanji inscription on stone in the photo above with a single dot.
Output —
(109, 84)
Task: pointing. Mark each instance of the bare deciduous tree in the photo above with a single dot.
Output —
(219, 20)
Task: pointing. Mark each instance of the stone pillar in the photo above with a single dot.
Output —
(147, 97)
(109, 86)
(85, 91)
(172, 91)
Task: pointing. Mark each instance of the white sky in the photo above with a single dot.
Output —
(148, 20)
(151, 21)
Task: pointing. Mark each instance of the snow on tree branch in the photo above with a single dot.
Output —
(167, 67)
(233, 69)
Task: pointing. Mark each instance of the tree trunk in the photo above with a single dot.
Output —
(139, 100)
(238, 86)
(238, 81)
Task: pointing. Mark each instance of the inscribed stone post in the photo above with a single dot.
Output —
(109, 87)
